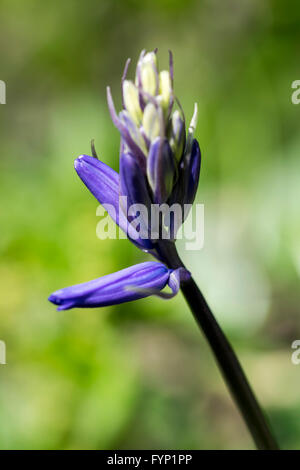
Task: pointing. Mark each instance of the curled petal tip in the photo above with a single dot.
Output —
(176, 278)
(52, 298)
(77, 160)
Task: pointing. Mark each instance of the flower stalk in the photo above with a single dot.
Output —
(226, 359)
(230, 368)
(159, 166)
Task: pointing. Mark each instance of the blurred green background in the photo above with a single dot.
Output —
(140, 375)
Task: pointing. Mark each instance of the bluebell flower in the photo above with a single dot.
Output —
(131, 283)
(159, 164)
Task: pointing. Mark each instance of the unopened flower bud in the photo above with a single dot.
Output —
(160, 170)
(131, 101)
(151, 121)
(166, 161)
(149, 75)
(177, 135)
(165, 88)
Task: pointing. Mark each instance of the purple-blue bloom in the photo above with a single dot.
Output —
(103, 182)
(159, 164)
(128, 284)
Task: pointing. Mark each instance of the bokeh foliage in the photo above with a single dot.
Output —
(140, 375)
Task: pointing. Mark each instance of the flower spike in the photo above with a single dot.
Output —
(159, 166)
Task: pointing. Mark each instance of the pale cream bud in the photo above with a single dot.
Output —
(151, 121)
(148, 72)
(165, 87)
(131, 101)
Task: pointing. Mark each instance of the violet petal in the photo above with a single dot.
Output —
(113, 288)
